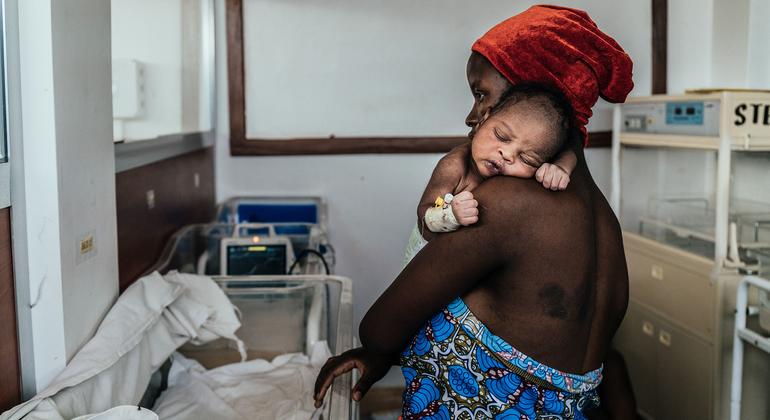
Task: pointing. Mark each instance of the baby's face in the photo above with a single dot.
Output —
(510, 143)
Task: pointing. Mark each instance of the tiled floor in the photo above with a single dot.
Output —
(382, 403)
(382, 415)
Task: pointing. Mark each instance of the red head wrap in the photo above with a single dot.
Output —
(564, 48)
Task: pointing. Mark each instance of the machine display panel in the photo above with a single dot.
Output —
(256, 259)
(684, 113)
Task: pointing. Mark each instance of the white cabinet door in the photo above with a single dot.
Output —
(684, 370)
(636, 340)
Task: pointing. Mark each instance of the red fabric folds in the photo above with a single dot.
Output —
(561, 47)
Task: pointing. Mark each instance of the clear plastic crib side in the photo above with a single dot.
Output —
(288, 314)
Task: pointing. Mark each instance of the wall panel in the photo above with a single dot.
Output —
(143, 229)
(10, 392)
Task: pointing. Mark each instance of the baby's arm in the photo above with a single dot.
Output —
(555, 176)
(446, 178)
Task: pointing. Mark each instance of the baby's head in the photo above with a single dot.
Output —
(528, 127)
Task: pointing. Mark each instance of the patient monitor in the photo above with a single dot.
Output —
(256, 255)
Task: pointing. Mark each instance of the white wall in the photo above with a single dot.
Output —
(372, 198)
(357, 68)
(67, 185)
(718, 43)
(758, 72)
(689, 44)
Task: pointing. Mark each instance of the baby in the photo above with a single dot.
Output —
(530, 126)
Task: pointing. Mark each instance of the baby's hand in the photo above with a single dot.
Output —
(465, 208)
(552, 177)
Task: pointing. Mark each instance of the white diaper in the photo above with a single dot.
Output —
(415, 244)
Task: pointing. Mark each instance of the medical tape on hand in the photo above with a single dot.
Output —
(441, 219)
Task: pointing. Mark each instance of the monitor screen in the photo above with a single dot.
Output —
(277, 213)
(251, 259)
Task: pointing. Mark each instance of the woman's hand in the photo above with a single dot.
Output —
(371, 366)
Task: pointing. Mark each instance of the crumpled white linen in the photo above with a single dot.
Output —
(149, 321)
(122, 412)
(257, 389)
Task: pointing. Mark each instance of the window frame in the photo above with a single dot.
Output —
(5, 165)
(241, 145)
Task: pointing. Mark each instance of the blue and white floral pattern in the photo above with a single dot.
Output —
(451, 373)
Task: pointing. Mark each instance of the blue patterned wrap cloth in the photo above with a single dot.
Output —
(455, 368)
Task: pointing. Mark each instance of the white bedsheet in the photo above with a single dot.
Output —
(257, 389)
(150, 320)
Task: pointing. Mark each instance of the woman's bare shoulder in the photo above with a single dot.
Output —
(525, 199)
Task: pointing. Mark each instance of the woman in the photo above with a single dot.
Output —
(563, 48)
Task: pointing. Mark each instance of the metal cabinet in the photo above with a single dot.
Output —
(670, 368)
(690, 190)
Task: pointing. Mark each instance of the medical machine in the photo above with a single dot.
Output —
(310, 210)
(255, 255)
(689, 185)
(202, 249)
(302, 219)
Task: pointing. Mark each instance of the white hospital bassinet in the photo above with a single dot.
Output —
(279, 314)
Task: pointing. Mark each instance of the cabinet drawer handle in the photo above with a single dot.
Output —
(656, 272)
(648, 328)
(665, 338)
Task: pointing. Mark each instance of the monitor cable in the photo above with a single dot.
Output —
(304, 254)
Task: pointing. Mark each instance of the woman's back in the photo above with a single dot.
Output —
(565, 289)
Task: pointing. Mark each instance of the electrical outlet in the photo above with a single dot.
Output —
(656, 272)
(86, 244)
(635, 123)
(150, 199)
(86, 247)
(197, 180)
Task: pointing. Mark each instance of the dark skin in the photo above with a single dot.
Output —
(546, 273)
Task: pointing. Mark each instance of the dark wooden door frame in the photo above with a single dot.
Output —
(241, 145)
(659, 46)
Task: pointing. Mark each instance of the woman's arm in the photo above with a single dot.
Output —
(448, 267)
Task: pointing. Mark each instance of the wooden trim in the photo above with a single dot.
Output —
(10, 386)
(659, 46)
(235, 74)
(347, 145)
(599, 139)
(240, 145)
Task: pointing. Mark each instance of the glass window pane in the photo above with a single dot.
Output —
(669, 195)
